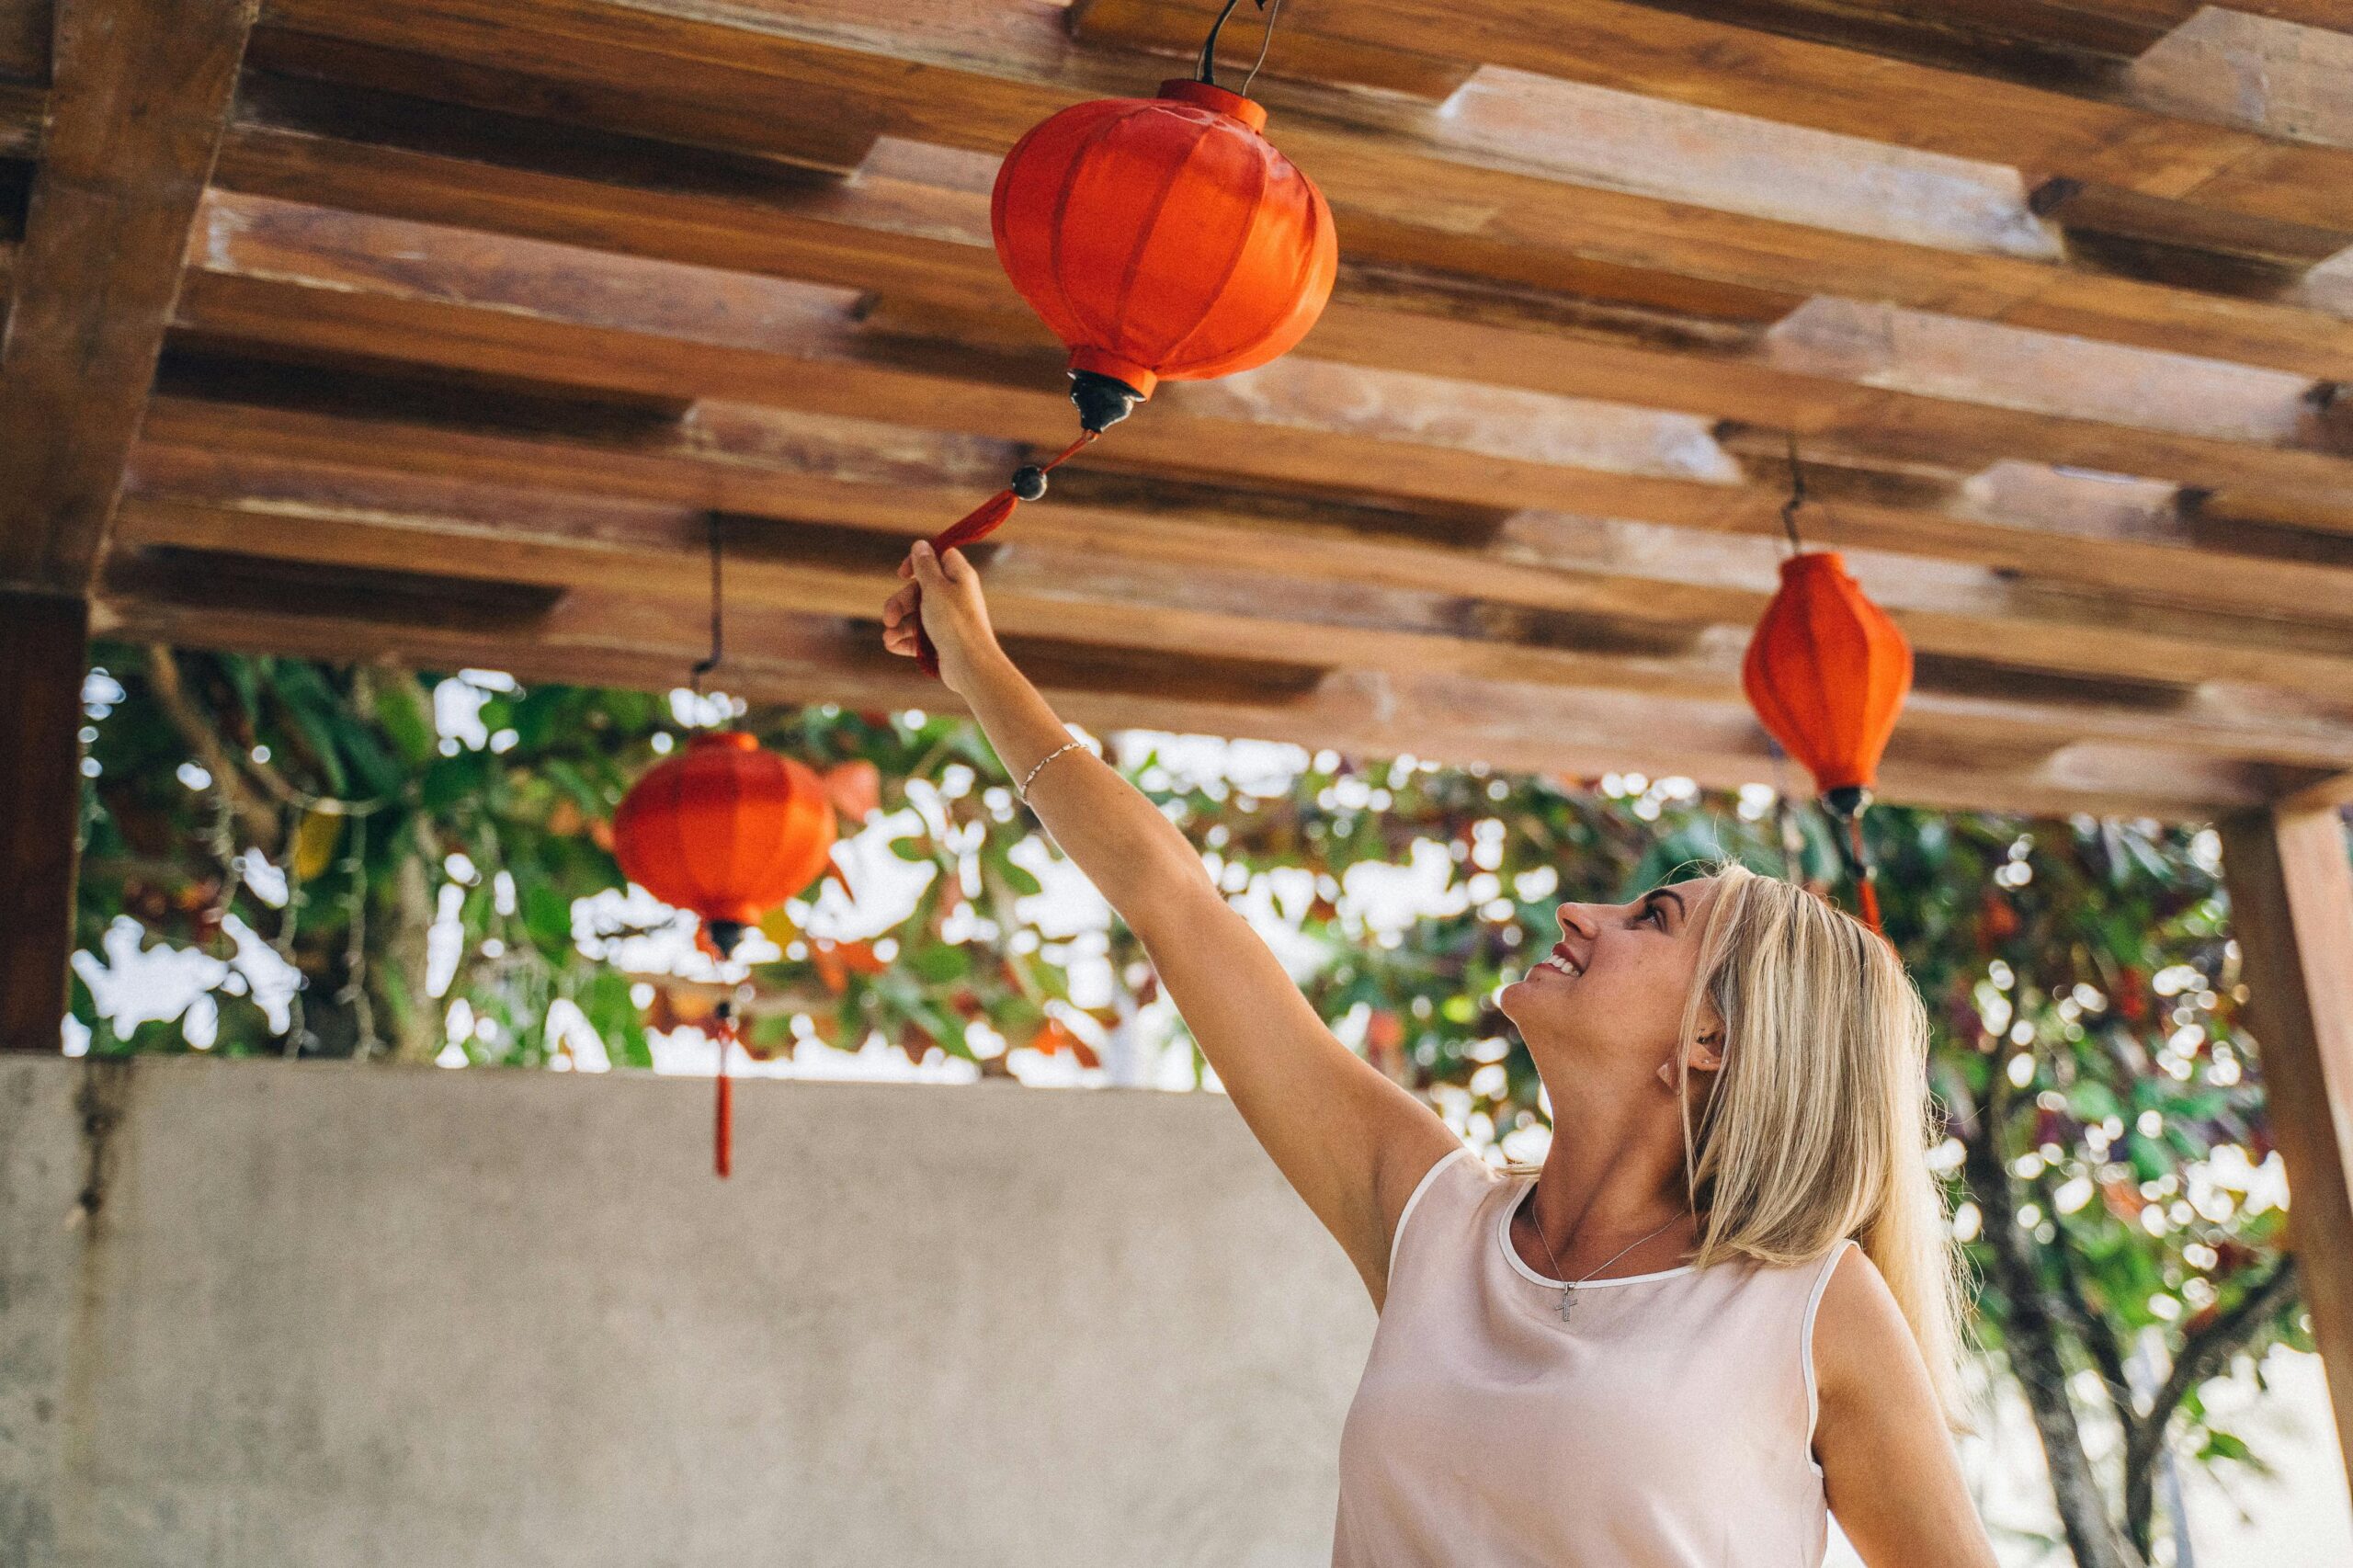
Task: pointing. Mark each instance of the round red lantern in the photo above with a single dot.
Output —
(729, 831)
(726, 829)
(1162, 239)
(1827, 672)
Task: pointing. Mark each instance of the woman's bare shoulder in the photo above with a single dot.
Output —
(1860, 1332)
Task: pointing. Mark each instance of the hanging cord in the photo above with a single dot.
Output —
(718, 647)
(1207, 70)
(1028, 484)
(1797, 499)
(366, 1042)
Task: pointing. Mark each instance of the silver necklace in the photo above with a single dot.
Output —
(1568, 1292)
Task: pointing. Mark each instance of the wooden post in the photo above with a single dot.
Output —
(43, 642)
(2291, 907)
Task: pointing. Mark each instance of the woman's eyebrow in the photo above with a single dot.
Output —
(1681, 913)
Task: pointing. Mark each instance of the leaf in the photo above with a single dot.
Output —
(941, 964)
(547, 915)
(315, 837)
(406, 723)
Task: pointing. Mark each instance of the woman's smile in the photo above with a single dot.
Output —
(1560, 961)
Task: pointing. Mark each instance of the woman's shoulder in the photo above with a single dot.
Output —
(1455, 1176)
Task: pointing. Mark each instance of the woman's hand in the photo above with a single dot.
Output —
(945, 591)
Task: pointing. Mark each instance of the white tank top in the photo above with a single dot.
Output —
(1668, 1424)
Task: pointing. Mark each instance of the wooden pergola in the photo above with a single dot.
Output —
(440, 329)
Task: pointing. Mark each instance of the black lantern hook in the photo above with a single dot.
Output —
(1797, 498)
(704, 666)
(1208, 69)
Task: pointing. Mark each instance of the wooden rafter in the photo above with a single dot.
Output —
(141, 94)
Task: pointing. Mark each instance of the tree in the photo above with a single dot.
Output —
(427, 848)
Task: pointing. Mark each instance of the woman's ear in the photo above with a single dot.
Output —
(1706, 1054)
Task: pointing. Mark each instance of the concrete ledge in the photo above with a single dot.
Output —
(335, 1315)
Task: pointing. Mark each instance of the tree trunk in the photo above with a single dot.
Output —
(2031, 1334)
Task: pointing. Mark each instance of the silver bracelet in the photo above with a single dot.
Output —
(1073, 743)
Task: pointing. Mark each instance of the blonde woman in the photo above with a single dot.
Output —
(1657, 1350)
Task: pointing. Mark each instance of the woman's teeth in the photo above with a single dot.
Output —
(1557, 961)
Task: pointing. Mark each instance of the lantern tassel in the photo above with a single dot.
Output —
(723, 1129)
(983, 520)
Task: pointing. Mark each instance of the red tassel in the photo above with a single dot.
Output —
(1866, 875)
(723, 1151)
(722, 1129)
(970, 529)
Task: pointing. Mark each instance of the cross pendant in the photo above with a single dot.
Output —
(1568, 1300)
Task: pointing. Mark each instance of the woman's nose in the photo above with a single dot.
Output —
(1576, 918)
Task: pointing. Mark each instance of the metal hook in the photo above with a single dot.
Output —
(704, 666)
(1797, 497)
(1207, 70)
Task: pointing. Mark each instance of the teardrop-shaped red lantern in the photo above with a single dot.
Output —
(1162, 239)
(1827, 672)
(730, 830)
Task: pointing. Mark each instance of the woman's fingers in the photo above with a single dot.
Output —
(927, 565)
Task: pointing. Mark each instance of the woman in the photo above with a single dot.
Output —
(1659, 1349)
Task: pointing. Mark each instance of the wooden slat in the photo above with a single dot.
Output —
(41, 642)
(142, 90)
(882, 477)
(892, 481)
(976, 76)
(1297, 423)
(1652, 50)
(2292, 910)
(1975, 392)
(608, 639)
(1085, 592)
(25, 28)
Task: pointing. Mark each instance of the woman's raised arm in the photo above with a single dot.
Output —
(1350, 1142)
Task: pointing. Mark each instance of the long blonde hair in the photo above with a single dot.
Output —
(1820, 1121)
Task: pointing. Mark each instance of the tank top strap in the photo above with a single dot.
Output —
(1823, 1271)
(1439, 1206)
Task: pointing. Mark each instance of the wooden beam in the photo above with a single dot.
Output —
(42, 639)
(604, 638)
(1650, 49)
(2292, 910)
(1904, 388)
(1091, 601)
(142, 92)
(1299, 422)
(890, 481)
(976, 76)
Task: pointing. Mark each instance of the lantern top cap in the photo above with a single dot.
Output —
(735, 740)
(1806, 560)
(1249, 112)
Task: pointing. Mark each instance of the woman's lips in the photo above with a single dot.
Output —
(1562, 961)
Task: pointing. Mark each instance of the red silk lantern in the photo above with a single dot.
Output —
(1827, 672)
(1162, 239)
(729, 831)
(726, 829)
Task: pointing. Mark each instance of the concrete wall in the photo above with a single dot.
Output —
(328, 1315)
